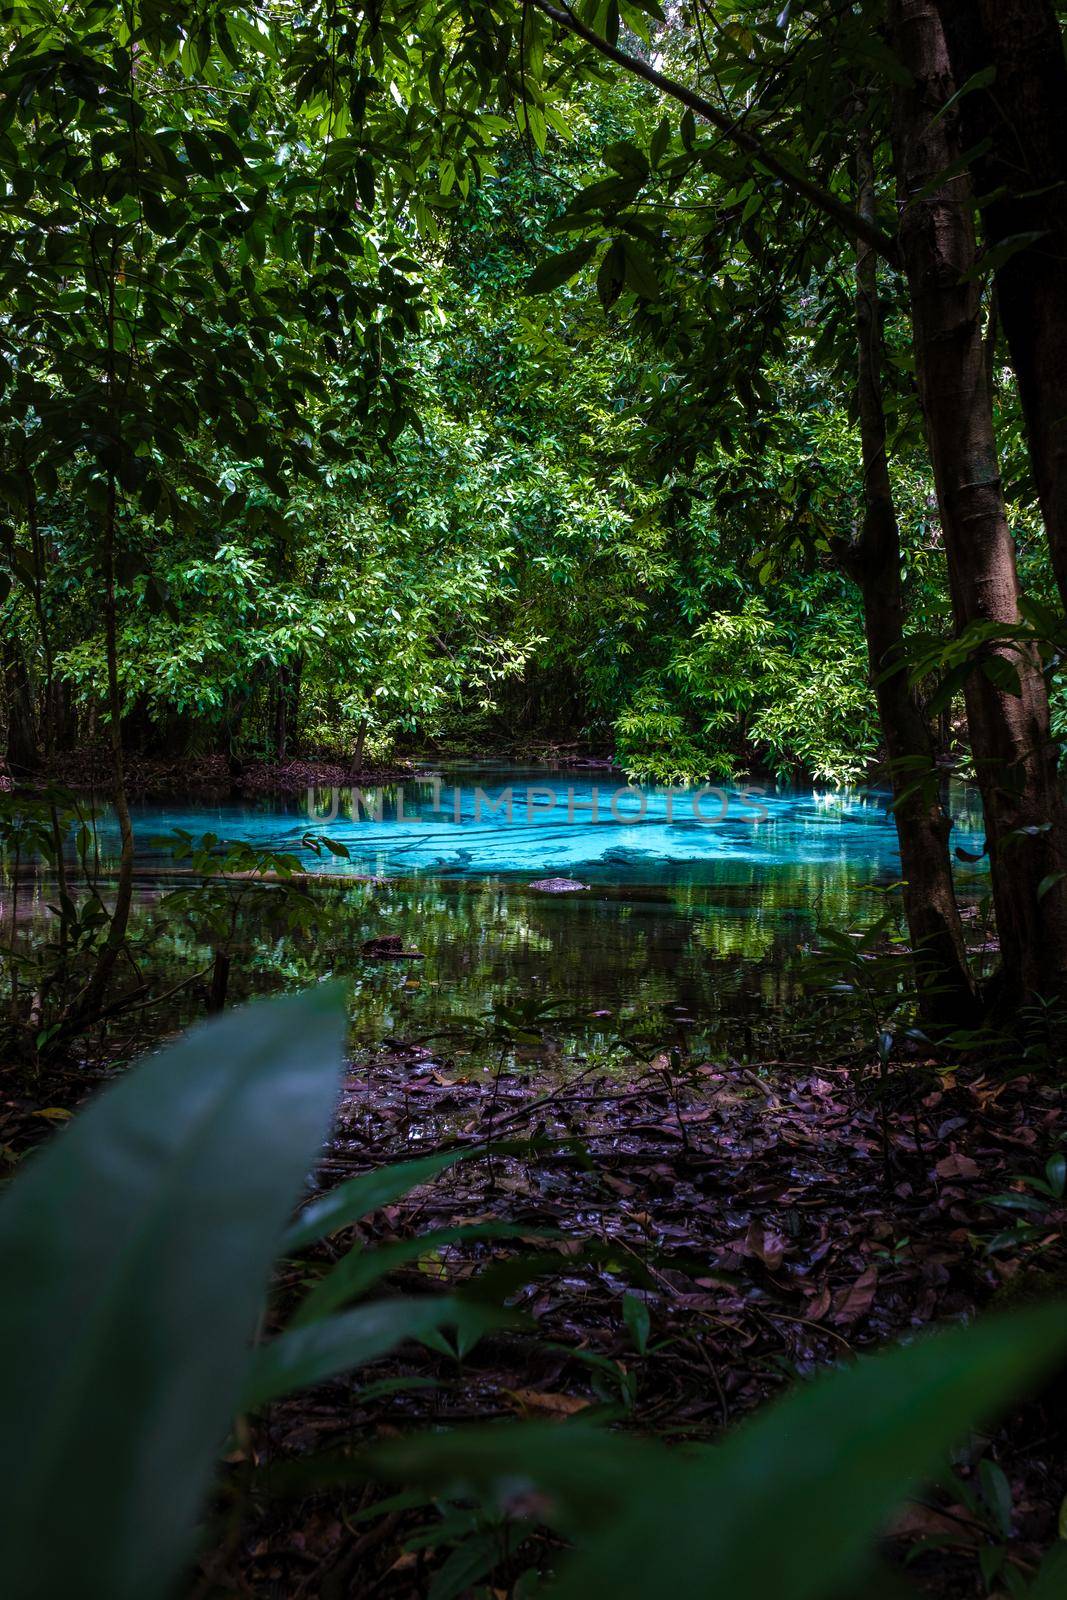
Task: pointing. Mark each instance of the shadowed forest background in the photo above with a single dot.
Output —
(486, 398)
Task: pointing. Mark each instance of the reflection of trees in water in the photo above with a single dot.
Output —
(719, 942)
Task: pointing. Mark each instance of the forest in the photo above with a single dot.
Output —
(533, 814)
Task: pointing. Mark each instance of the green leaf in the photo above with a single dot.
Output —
(660, 140)
(978, 80)
(149, 1224)
(610, 276)
(558, 269)
(201, 158)
(322, 1349)
(635, 1315)
(369, 1192)
(996, 1492)
(640, 272)
(360, 1268)
(467, 1565)
(1003, 674)
(1001, 253)
(824, 1468)
(1051, 1581)
(627, 159)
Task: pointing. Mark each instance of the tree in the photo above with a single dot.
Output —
(1007, 57)
(171, 273)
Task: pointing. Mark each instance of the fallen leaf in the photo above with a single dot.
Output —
(957, 1166)
(765, 1245)
(550, 1405)
(854, 1303)
(819, 1306)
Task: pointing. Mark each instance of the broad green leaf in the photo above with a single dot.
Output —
(134, 1253)
(360, 1268)
(556, 270)
(333, 1345)
(358, 1197)
(1002, 253)
(640, 272)
(1051, 1581)
(825, 1468)
(469, 1563)
(821, 1471)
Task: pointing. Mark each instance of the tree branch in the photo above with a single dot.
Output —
(856, 226)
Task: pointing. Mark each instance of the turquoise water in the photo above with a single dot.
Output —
(528, 822)
(691, 917)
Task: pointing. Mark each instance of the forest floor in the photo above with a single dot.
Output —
(770, 1222)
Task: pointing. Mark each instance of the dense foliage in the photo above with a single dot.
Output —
(685, 385)
(364, 487)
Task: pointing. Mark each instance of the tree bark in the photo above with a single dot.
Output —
(946, 990)
(23, 752)
(281, 714)
(89, 1003)
(1017, 126)
(1015, 758)
(356, 763)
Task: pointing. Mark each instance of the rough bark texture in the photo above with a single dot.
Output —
(1017, 125)
(1010, 736)
(944, 982)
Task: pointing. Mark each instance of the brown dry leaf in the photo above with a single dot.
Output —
(957, 1166)
(819, 1306)
(765, 1245)
(854, 1303)
(550, 1405)
(915, 1521)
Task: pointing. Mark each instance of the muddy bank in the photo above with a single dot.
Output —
(213, 777)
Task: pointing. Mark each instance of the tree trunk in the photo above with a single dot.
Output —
(88, 1004)
(356, 767)
(947, 995)
(220, 980)
(23, 752)
(1017, 125)
(281, 714)
(1015, 758)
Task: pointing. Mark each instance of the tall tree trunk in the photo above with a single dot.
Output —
(23, 752)
(281, 714)
(946, 990)
(1015, 758)
(1015, 121)
(87, 1006)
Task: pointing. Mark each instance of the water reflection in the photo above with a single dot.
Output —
(680, 916)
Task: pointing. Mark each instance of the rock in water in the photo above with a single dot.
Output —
(390, 946)
(558, 885)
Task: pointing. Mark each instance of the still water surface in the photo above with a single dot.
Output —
(692, 910)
